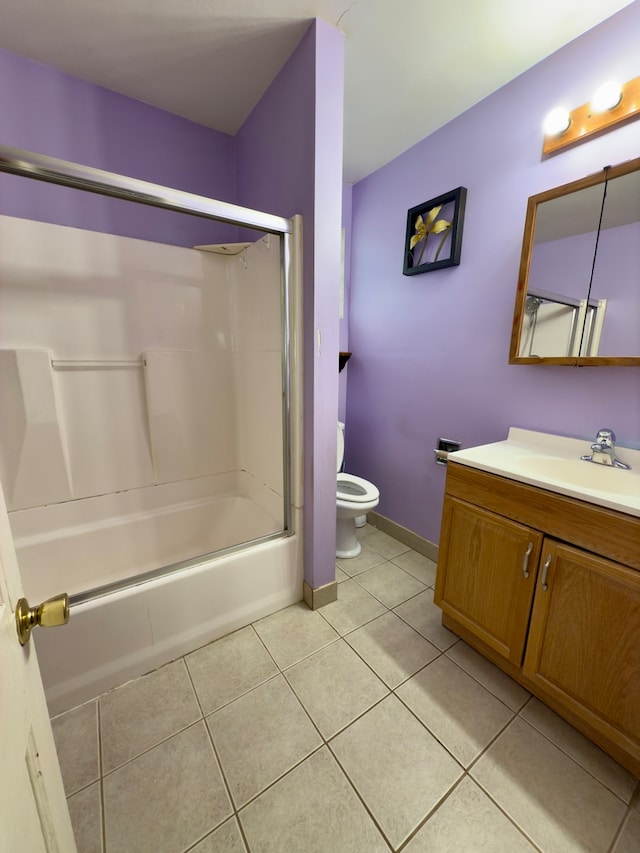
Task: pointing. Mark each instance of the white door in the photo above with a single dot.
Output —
(33, 810)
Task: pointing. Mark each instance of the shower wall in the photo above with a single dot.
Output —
(254, 277)
(126, 365)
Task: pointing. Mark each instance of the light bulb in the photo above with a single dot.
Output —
(606, 97)
(557, 121)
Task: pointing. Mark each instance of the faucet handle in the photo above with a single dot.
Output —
(606, 438)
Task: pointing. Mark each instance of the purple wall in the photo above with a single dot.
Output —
(616, 278)
(289, 156)
(46, 111)
(347, 204)
(430, 351)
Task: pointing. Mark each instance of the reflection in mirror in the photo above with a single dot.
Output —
(616, 274)
(557, 325)
(562, 255)
(580, 264)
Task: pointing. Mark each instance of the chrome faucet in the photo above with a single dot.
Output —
(604, 450)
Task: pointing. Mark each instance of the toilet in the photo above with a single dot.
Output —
(355, 497)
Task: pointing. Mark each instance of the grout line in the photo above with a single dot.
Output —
(361, 798)
(505, 813)
(477, 681)
(433, 735)
(498, 734)
(431, 813)
(618, 832)
(320, 746)
(564, 751)
(213, 747)
(103, 822)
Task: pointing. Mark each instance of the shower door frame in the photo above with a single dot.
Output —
(39, 167)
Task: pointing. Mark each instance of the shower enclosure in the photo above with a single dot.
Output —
(147, 413)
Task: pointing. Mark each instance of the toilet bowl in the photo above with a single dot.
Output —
(355, 496)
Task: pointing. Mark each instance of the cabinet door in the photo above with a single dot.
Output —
(486, 575)
(584, 642)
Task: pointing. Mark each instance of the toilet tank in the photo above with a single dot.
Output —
(340, 445)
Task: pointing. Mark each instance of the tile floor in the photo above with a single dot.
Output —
(365, 726)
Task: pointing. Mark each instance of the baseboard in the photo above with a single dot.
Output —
(403, 534)
(320, 595)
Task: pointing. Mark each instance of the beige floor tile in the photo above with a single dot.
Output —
(552, 799)
(391, 648)
(636, 800)
(423, 615)
(629, 839)
(340, 575)
(229, 667)
(353, 608)
(140, 714)
(260, 736)
(582, 750)
(294, 633)
(365, 531)
(85, 809)
(226, 839)
(397, 767)
(495, 680)
(386, 545)
(468, 821)
(167, 798)
(455, 708)
(366, 559)
(312, 809)
(389, 584)
(418, 565)
(76, 737)
(335, 687)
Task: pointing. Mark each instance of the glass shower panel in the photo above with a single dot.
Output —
(141, 389)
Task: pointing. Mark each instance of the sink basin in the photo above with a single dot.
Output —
(553, 462)
(583, 475)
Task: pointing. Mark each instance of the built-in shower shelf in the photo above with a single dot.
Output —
(224, 248)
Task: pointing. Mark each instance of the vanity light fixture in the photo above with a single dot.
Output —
(612, 104)
(606, 97)
(557, 121)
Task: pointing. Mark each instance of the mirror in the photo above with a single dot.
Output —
(578, 295)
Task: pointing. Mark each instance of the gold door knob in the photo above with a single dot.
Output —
(49, 614)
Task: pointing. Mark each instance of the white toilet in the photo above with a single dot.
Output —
(355, 497)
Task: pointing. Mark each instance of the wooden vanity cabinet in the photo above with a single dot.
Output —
(570, 631)
(584, 639)
(490, 574)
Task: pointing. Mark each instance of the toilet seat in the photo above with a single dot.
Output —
(352, 489)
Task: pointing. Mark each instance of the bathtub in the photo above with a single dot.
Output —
(115, 633)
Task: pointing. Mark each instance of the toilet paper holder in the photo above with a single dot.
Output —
(444, 448)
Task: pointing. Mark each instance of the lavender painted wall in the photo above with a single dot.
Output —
(347, 204)
(289, 156)
(46, 111)
(616, 278)
(430, 351)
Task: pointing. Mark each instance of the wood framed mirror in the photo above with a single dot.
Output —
(578, 295)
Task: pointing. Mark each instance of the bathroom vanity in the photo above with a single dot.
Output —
(539, 570)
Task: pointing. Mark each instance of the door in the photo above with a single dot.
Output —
(486, 575)
(33, 810)
(583, 648)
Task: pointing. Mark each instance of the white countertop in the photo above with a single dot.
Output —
(553, 462)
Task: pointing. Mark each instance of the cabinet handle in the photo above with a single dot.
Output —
(525, 562)
(545, 573)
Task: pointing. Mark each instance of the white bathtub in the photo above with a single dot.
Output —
(100, 541)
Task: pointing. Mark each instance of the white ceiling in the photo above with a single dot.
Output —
(410, 66)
